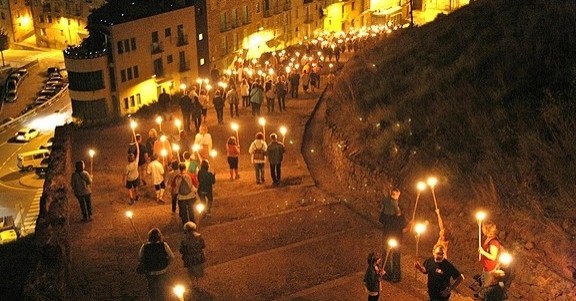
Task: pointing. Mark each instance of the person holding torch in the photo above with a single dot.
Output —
(393, 226)
(440, 274)
(490, 250)
(232, 153)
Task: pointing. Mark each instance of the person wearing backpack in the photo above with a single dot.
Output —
(186, 184)
(257, 151)
(153, 259)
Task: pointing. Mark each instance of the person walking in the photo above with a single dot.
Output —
(281, 91)
(440, 275)
(257, 151)
(270, 93)
(196, 113)
(206, 179)
(275, 153)
(192, 250)
(172, 172)
(164, 102)
(490, 250)
(294, 83)
(131, 176)
(305, 81)
(142, 157)
(219, 103)
(393, 226)
(232, 153)
(204, 102)
(154, 258)
(186, 184)
(256, 97)
(245, 93)
(372, 277)
(204, 140)
(81, 186)
(232, 99)
(186, 108)
(156, 169)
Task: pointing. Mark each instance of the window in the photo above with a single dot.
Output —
(257, 7)
(167, 32)
(138, 99)
(123, 75)
(127, 45)
(42, 31)
(234, 17)
(158, 68)
(126, 104)
(136, 72)
(133, 42)
(202, 62)
(223, 45)
(132, 102)
(200, 37)
(120, 47)
(245, 16)
(49, 19)
(129, 71)
(223, 22)
(155, 38)
(169, 59)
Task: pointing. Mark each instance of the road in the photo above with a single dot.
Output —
(20, 190)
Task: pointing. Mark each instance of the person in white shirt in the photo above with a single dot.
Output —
(204, 140)
(156, 169)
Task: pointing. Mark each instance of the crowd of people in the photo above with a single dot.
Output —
(443, 276)
(179, 168)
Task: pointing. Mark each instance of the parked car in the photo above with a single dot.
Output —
(51, 70)
(40, 100)
(55, 76)
(26, 134)
(11, 84)
(48, 144)
(48, 92)
(41, 169)
(14, 76)
(28, 107)
(32, 159)
(23, 72)
(11, 96)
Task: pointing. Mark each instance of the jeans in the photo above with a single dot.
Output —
(197, 122)
(282, 102)
(85, 205)
(186, 119)
(246, 101)
(207, 198)
(220, 115)
(186, 209)
(233, 106)
(255, 109)
(270, 104)
(275, 172)
(157, 287)
(259, 168)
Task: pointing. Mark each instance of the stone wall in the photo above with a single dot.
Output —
(533, 279)
(50, 277)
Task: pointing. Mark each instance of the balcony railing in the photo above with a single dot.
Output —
(287, 6)
(277, 10)
(224, 27)
(267, 13)
(157, 47)
(308, 19)
(184, 66)
(182, 39)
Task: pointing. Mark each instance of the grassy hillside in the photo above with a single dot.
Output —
(484, 97)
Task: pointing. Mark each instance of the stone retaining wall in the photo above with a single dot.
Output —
(50, 277)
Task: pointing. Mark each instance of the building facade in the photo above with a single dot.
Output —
(137, 59)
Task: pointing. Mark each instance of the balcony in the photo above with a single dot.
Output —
(287, 7)
(224, 27)
(182, 40)
(267, 13)
(157, 47)
(184, 66)
(277, 10)
(308, 19)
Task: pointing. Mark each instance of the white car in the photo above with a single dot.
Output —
(26, 134)
(41, 99)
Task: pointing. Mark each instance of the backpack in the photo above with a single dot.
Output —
(154, 257)
(259, 153)
(184, 187)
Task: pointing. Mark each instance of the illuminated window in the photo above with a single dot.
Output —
(202, 62)
(200, 37)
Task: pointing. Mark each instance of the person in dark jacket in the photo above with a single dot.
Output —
(275, 152)
(218, 102)
(196, 112)
(186, 108)
(192, 250)
(81, 182)
(372, 277)
(440, 274)
(154, 257)
(206, 179)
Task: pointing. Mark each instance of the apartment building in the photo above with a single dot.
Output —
(60, 23)
(131, 55)
(16, 20)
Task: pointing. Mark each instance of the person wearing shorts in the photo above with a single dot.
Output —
(131, 175)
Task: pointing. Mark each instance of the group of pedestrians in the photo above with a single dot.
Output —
(443, 276)
(155, 256)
